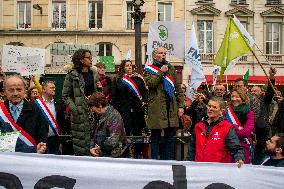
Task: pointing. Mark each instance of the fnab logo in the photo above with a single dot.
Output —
(163, 32)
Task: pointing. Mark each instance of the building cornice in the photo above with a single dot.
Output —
(66, 33)
(240, 11)
(206, 10)
(274, 11)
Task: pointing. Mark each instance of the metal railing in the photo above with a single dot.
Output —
(274, 58)
(273, 2)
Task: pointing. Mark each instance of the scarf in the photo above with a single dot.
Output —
(169, 89)
(241, 112)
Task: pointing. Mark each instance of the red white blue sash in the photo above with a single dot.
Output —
(168, 84)
(132, 86)
(54, 128)
(231, 116)
(6, 118)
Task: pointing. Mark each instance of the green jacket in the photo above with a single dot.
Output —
(73, 94)
(157, 112)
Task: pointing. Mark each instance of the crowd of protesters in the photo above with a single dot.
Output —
(99, 115)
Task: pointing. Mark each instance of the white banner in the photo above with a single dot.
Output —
(37, 171)
(23, 60)
(169, 35)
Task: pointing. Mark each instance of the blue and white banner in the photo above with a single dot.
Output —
(51, 171)
(193, 58)
(215, 75)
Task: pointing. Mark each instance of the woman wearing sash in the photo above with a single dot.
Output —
(128, 96)
(244, 120)
(79, 84)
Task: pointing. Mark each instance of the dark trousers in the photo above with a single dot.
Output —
(166, 148)
(53, 145)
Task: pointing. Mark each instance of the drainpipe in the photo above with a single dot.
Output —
(77, 14)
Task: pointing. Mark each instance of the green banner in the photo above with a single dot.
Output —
(108, 61)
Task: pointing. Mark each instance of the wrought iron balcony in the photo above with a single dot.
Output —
(204, 2)
(274, 58)
(208, 57)
(274, 2)
(239, 2)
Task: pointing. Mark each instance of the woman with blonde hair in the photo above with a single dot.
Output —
(239, 113)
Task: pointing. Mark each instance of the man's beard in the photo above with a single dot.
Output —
(270, 152)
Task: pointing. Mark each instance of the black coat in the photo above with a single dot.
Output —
(30, 120)
(278, 122)
(128, 105)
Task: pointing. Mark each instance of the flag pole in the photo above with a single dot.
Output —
(227, 85)
(269, 81)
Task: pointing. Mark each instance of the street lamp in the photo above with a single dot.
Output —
(138, 16)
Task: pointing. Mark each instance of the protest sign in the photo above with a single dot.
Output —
(23, 60)
(8, 141)
(169, 35)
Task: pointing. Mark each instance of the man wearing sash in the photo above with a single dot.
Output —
(18, 115)
(165, 104)
(53, 112)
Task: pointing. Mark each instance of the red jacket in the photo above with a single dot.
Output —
(212, 149)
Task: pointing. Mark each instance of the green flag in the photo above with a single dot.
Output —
(109, 62)
(246, 76)
(233, 46)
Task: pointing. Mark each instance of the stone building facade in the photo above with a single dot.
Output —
(107, 23)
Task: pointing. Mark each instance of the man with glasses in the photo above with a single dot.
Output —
(166, 102)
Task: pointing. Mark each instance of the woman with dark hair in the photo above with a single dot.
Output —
(79, 84)
(108, 137)
(128, 96)
(239, 113)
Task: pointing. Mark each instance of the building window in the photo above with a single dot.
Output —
(95, 14)
(239, 2)
(205, 36)
(105, 49)
(24, 15)
(164, 11)
(273, 38)
(274, 2)
(129, 21)
(59, 15)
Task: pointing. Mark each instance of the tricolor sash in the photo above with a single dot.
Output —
(54, 128)
(132, 86)
(5, 117)
(168, 81)
(231, 116)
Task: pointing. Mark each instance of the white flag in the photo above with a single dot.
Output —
(246, 35)
(128, 55)
(193, 58)
(215, 76)
(244, 31)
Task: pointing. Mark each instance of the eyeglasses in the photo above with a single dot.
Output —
(89, 57)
